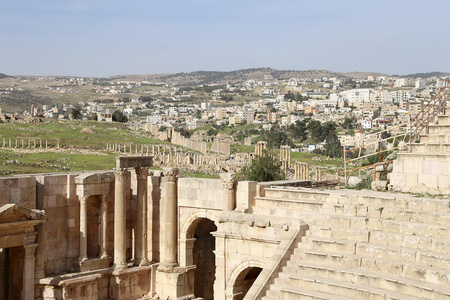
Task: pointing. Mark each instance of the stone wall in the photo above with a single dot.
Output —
(19, 190)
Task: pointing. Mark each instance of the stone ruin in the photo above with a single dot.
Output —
(133, 233)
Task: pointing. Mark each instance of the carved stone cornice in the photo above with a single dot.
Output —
(171, 174)
(121, 174)
(228, 180)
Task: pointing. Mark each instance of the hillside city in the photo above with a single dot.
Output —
(350, 107)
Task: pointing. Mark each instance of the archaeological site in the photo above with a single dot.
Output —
(136, 233)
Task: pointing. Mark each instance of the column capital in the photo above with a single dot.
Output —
(141, 173)
(29, 250)
(171, 174)
(83, 199)
(103, 198)
(120, 174)
(228, 180)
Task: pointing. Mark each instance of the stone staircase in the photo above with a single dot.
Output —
(289, 202)
(364, 245)
(426, 169)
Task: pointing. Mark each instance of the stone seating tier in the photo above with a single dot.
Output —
(426, 169)
(366, 245)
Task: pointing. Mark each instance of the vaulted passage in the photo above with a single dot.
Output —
(244, 282)
(11, 266)
(204, 259)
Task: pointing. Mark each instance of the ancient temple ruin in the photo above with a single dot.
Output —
(135, 233)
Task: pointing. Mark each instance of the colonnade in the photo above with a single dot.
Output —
(301, 171)
(23, 142)
(260, 147)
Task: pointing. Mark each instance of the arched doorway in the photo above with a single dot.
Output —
(204, 259)
(244, 282)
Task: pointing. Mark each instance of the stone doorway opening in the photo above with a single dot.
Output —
(11, 275)
(93, 225)
(204, 259)
(244, 282)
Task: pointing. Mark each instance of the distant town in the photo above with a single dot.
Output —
(357, 106)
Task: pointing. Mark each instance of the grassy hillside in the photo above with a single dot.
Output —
(82, 146)
(80, 134)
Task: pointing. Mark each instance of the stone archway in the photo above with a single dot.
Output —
(204, 259)
(244, 282)
(197, 246)
(242, 277)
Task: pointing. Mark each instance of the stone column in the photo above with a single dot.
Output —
(104, 216)
(120, 221)
(169, 245)
(83, 229)
(28, 272)
(141, 222)
(229, 191)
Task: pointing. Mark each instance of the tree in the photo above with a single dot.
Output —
(298, 130)
(333, 147)
(211, 132)
(119, 116)
(76, 112)
(348, 123)
(264, 168)
(276, 138)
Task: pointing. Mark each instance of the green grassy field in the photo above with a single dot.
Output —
(14, 162)
(84, 134)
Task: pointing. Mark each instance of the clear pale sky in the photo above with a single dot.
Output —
(105, 38)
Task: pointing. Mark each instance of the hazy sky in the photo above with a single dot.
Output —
(104, 38)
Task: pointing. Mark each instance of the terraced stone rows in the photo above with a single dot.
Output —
(371, 248)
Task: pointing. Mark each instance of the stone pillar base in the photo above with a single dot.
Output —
(175, 283)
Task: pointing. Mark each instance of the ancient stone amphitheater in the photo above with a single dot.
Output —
(132, 234)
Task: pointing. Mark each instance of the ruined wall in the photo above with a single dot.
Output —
(62, 214)
(19, 190)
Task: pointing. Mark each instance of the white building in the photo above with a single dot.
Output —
(400, 82)
(154, 119)
(420, 84)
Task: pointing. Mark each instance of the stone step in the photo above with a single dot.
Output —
(443, 119)
(389, 213)
(307, 216)
(435, 138)
(292, 293)
(358, 235)
(438, 129)
(402, 254)
(379, 199)
(270, 298)
(430, 147)
(386, 282)
(410, 241)
(447, 111)
(342, 288)
(327, 244)
(425, 243)
(300, 204)
(428, 267)
(295, 194)
(406, 225)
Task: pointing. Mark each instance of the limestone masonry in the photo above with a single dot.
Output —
(134, 233)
